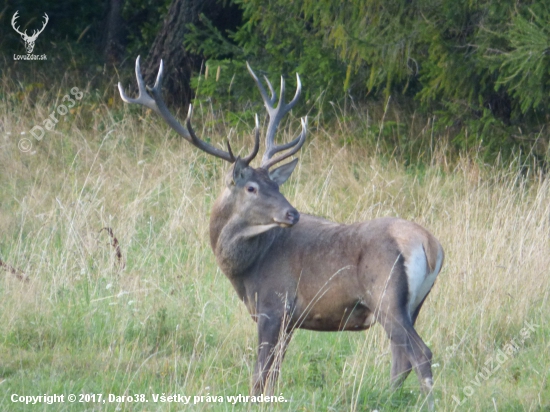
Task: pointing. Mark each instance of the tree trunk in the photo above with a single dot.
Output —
(112, 47)
(168, 46)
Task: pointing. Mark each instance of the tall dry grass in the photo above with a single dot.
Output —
(169, 322)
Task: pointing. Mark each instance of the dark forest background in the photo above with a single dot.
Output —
(477, 71)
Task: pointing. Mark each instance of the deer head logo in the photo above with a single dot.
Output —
(29, 40)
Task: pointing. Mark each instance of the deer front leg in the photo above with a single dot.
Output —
(273, 341)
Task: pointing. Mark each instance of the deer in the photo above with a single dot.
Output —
(29, 40)
(294, 270)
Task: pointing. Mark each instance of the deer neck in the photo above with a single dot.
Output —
(220, 215)
(236, 244)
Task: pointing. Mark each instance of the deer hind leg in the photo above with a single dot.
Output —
(273, 342)
(401, 366)
(409, 352)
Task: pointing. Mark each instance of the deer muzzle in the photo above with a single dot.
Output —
(291, 217)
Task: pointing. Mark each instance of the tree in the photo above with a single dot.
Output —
(168, 46)
(112, 49)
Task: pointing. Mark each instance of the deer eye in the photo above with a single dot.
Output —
(251, 189)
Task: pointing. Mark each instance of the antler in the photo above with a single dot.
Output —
(156, 104)
(275, 116)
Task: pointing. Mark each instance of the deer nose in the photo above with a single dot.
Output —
(292, 216)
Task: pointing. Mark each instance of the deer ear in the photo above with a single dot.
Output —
(282, 173)
(238, 170)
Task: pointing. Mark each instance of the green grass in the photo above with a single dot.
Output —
(170, 322)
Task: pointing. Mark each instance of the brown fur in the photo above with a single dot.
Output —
(408, 233)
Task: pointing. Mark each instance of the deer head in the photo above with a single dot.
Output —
(252, 194)
(29, 40)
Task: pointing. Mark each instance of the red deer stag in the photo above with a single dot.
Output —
(294, 270)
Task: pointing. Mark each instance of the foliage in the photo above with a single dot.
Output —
(525, 66)
(482, 67)
(270, 50)
(143, 23)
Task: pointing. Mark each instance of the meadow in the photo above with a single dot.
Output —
(162, 319)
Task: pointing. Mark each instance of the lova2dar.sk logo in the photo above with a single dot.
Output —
(29, 40)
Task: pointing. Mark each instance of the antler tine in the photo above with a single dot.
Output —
(156, 91)
(271, 90)
(298, 92)
(143, 98)
(262, 89)
(156, 104)
(297, 143)
(254, 152)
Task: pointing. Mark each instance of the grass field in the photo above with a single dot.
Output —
(164, 319)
